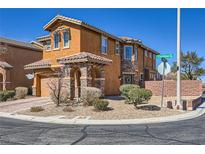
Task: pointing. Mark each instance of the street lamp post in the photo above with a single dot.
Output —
(178, 59)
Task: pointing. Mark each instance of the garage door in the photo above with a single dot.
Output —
(44, 87)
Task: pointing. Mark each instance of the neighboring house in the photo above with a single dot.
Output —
(14, 55)
(91, 57)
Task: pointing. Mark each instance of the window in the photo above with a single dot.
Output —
(47, 45)
(66, 39)
(56, 40)
(128, 52)
(136, 54)
(154, 56)
(146, 54)
(150, 55)
(117, 48)
(128, 79)
(104, 45)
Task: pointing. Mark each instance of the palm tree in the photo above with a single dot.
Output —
(190, 66)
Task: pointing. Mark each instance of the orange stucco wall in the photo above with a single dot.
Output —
(91, 42)
(61, 52)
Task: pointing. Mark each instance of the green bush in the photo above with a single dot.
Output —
(101, 105)
(126, 88)
(90, 94)
(21, 92)
(138, 96)
(36, 109)
(147, 94)
(5, 95)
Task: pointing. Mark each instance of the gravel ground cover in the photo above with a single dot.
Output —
(117, 110)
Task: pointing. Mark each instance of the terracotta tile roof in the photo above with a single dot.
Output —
(81, 23)
(20, 44)
(4, 64)
(139, 42)
(39, 64)
(84, 57)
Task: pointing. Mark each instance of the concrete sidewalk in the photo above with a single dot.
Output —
(84, 120)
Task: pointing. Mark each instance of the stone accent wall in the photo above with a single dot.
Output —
(189, 87)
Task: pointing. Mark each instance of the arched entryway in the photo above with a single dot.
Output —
(1, 81)
(75, 86)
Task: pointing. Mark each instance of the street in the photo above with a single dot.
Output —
(24, 132)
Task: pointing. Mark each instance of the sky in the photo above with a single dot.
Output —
(155, 27)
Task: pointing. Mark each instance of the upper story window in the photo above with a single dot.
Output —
(56, 40)
(117, 48)
(150, 55)
(128, 52)
(145, 53)
(47, 45)
(66, 39)
(154, 56)
(104, 45)
(136, 54)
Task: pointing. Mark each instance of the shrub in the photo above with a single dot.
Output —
(90, 94)
(147, 94)
(5, 95)
(63, 98)
(36, 109)
(100, 104)
(21, 92)
(138, 96)
(126, 88)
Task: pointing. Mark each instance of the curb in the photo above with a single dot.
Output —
(75, 121)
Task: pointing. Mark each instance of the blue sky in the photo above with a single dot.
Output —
(155, 27)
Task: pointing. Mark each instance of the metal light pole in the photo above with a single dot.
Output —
(178, 59)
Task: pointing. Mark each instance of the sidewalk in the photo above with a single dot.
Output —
(85, 120)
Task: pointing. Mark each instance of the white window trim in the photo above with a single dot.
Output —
(125, 52)
(66, 47)
(118, 48)
(146, 53)
(136, 57)
(54, 41)
(102, 52)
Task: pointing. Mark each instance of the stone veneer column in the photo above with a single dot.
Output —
(68, 81)
(102, 79)
(85, 79)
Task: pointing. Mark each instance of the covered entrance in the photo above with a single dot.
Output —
(4, 75)
(84, 70)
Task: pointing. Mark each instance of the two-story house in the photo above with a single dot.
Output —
(14, 55)
(90, 57)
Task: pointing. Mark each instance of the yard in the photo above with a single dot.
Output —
(117, 109)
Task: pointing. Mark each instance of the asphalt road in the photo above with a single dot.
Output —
(23, 132)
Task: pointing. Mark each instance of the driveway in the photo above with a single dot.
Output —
(22, 104)
(14, 131)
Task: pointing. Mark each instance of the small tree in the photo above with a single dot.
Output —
(58, 89)
(190, 66)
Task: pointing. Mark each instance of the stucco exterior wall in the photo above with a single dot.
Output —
(19, 57)
(74, 46)
(91, 42)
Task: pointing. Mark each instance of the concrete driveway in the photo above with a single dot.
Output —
(22, 104)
